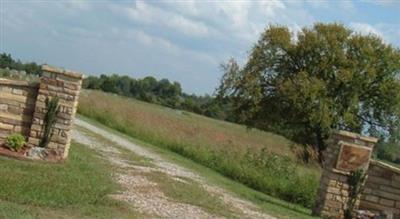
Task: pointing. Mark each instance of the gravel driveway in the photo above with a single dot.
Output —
(143, 193)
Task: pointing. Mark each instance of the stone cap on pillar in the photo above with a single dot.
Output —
(68, 73)
(356, 138)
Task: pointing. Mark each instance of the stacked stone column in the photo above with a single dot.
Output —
(345, 152)
(66, 86)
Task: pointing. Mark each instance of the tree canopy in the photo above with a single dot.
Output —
(6, 61)
(321, 78)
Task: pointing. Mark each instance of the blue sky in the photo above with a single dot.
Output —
(183, 41)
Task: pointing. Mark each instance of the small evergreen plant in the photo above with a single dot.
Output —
(52, 109)
(356, 182)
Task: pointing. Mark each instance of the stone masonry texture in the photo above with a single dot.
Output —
(333, 193)
(381, 192)
(17, 103)
(382, 189)
(23, 107)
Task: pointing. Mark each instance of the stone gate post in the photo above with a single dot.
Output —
(66, 86)
(345, 152)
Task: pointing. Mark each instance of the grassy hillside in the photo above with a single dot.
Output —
(261, 160)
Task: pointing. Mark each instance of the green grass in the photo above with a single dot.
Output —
(190, 192)
(270, 205)
(78, 188)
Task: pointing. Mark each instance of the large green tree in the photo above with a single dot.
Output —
(321, 78)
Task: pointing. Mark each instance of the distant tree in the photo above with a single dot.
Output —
(6, 61)
(33, 68)
(148, 84)
(163, 92)
(124, 84)
(91, 82)
(109, 84)
(323, 78)
(388, 147)
(191, 104)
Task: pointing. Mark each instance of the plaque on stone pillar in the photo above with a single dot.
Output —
(353, 157)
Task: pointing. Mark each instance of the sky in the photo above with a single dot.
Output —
(184, 41)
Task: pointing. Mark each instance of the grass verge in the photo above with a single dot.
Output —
(78, 188)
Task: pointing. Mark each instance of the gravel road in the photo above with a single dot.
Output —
(142, 192)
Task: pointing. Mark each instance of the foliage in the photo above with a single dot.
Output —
(16, 75)
(15, 141)
(324, 77)
(356, 182)
(148, 89)
(389, 152)
(6, 61)
(52, 109)
(262, 161)
(388, 148)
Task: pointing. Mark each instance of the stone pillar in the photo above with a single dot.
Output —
(345, 152)
(66, 86)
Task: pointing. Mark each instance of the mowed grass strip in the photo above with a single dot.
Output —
(78, 188)
(260, 160)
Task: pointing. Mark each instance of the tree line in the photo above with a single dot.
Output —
(6, 61)
(148, 89)
(163, 92)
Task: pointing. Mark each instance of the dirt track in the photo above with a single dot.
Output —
(143, 192)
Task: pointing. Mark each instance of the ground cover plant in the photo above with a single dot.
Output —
(76, 189)
(15, 142)
(258, 159)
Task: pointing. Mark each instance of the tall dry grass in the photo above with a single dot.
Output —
(261, 160)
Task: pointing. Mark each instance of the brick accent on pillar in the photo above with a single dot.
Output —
(345, 152)
(66, 85)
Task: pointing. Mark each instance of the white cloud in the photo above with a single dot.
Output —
(187, 26)
(155, 43)
(239, 19)
(366, 29)
(389, 33)
(180, 40)
(148, 14)
(270, 7)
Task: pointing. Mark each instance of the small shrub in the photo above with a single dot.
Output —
(15, 142)
(356, 182)
(50, 117)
